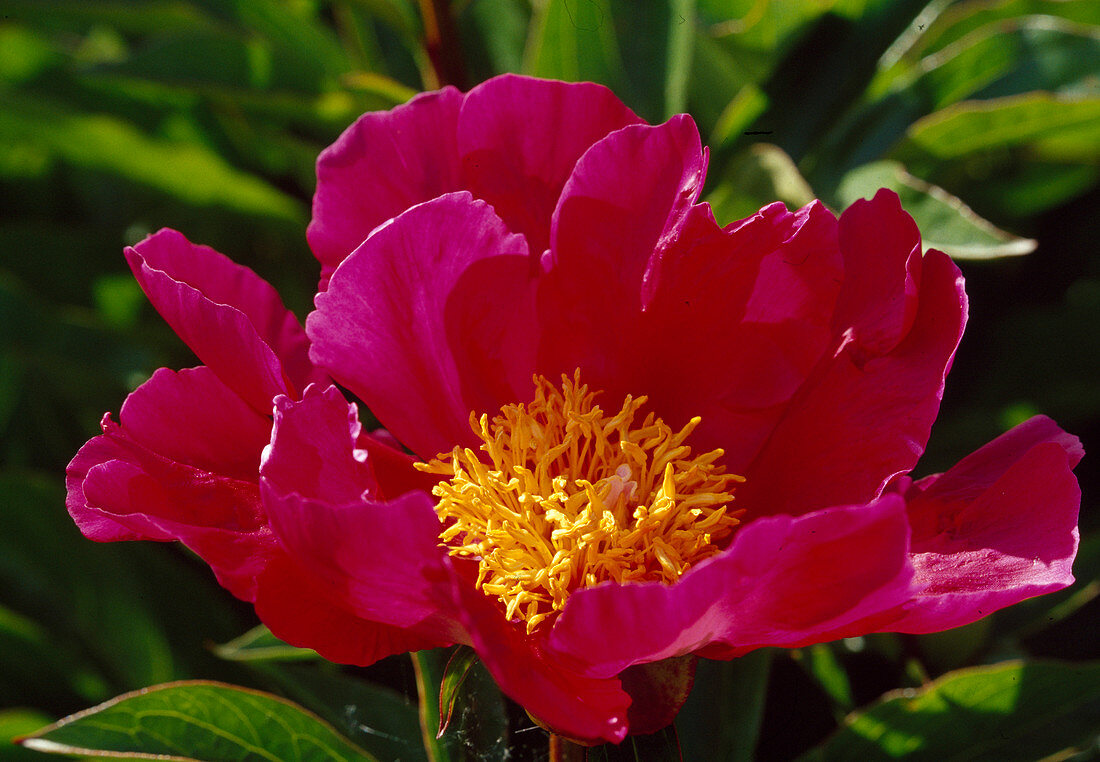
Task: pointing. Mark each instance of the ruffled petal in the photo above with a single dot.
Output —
(861, 418)
(785, 581)
(999, 527)
(627, 200)
(381, 559)
(583, 708)
(737, 321)
(520, 138)
(204, 297)
(186, 453)
(429, 320)
(380, 166)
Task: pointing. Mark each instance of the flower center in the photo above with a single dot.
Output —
(570, 497)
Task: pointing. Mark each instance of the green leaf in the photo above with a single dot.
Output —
(197, 720)
(1058, 127)
(945, 222)
(187, 171)
(454, 675)
(374, 717)
(258, 644)
(822, 665)
(575, 40)
(1015, 710)
(13, 724)
(722, 716)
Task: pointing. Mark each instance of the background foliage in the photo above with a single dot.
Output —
(117, 118)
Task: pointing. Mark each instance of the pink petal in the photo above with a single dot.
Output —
(861, 419)
(382, 560)
(380, 166)
(583, 708)
(882, 258)
(999, 527)
(737, 320)
(785, 581)
(222, 335)
(429, 320)
(186, 453)
(520, 138)
(627, 200)
(298, 609)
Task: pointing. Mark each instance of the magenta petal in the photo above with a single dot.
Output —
(859, 420)
(186, 453)
(785, 581)
(578, 707)
(298, 609)
(520, 138)
(380, 166)
(206, 317)
(381, 558)
(429, 320)
(999, 527)
(627, 200)
(882, 262)
(739, 318)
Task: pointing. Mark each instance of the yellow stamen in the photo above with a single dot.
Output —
(570, 498)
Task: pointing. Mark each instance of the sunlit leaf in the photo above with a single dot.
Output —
(575, 40)
(1014, 710)
(945, 222)
(755, 178)
(196, 720)
(185, 170)
(13, 724)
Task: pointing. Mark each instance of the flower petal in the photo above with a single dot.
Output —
(382, 559)
(738, 319)
(583, 708)
(999, 527)
(429, 320)
(228, 316)
(861, 419)
(520, 138)
(785, 581)
(626, 201)
(183, 455)
(380, 166)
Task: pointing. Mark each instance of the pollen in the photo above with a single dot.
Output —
(564, 496)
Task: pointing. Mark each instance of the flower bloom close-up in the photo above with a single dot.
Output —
(618, 436)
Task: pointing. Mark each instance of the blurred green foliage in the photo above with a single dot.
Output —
(118, 117)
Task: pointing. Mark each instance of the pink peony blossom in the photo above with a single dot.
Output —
(791, 366)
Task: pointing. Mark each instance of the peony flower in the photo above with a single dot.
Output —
(639, 437)
(183, 461)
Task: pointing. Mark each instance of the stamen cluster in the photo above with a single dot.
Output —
(566, 497)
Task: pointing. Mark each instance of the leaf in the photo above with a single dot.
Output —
(945, 222)
(15, 723)
(722, 716)
(187, 171)
(258, 644)
(198, 720)
(376, 718)
(1067, 128)
(821, 663)
(1015, 710)
(454, 675)
(479, 726)
(575, 40)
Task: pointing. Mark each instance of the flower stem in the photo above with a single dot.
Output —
(441, 41)
(562, 750)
